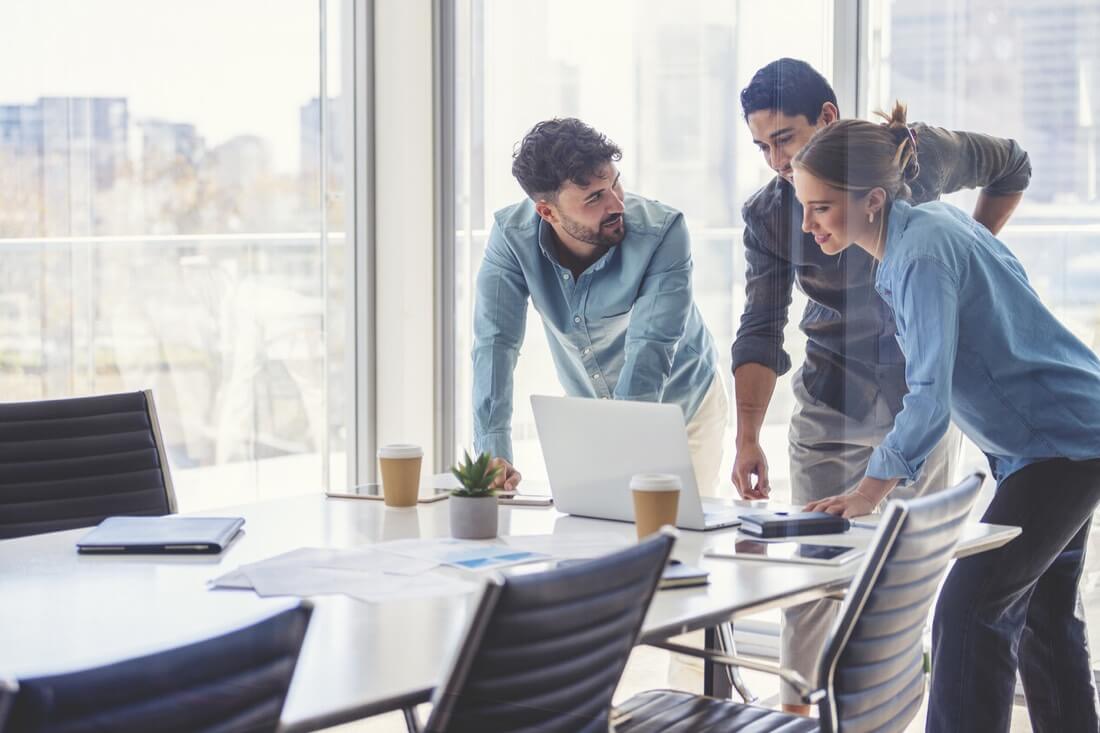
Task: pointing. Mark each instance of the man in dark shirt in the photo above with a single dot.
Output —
(850, 387)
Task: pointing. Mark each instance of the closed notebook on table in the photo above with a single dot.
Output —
(161, 535)
(792, 524)
(678, 575)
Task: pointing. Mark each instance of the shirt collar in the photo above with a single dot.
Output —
(549, 246)
(895, 229)
(547, 242)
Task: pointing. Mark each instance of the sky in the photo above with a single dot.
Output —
(230, 66)
(246, 66)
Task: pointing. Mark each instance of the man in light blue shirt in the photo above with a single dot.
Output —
(610, 275)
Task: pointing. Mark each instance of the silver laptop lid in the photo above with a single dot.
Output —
(592, 448)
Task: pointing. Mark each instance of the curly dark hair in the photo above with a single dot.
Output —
(789, 85)
(559, 150)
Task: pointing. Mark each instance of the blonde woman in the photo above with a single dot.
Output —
(980, 349)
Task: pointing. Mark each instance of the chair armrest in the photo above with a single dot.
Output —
(808, 694)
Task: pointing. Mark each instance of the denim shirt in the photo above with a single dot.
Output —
(627, 328)
(851, 355)
(981, 349)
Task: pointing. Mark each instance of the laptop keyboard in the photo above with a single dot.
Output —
(717, 510)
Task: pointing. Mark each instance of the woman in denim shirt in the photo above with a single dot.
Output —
(980, 349)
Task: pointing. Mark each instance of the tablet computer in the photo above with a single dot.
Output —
(807, 553)
(161, 535)
(513, 498)
(373, 492)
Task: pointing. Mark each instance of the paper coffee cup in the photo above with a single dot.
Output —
(656, 499)
(400, 464)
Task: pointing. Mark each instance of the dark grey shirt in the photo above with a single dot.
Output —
(851, 350)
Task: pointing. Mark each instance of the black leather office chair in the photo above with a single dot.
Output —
(70, 463)
(236, 682)
(544, 651)
(872, 667)
(7, 694)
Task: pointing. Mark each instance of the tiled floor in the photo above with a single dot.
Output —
(647, 670)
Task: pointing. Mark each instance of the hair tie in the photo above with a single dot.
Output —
(899, 152)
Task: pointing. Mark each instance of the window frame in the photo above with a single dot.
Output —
(358, 137)
(849, 20)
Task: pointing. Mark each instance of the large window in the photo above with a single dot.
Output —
(1029, 71)
(661, 80)
(165, 224)
(1022, 70)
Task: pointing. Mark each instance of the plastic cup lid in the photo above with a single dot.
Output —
(655, 482)
(400, 450)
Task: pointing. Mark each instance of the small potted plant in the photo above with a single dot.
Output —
(473, 506)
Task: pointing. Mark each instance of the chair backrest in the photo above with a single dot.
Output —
(7, 694)
(70, 463)
(544, 651)
(872, 667)
(236, 682)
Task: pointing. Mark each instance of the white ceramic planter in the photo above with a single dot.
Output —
(473, 518)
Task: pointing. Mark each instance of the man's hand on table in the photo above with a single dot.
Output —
(749, 461)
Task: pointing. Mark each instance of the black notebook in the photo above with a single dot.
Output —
(158, 535)
(679, 575)
(792, 524)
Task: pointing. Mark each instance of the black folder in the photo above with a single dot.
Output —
(161, 535)
(792, 524)
(678, 575)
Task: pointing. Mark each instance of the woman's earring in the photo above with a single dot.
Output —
(871, 218)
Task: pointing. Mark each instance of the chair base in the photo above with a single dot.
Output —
(660, 710)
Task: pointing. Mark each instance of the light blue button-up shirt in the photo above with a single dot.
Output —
(627, 328)
(981, 349)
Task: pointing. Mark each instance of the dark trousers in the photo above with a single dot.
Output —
(1019, 607)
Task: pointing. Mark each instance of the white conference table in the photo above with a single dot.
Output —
(60, 611)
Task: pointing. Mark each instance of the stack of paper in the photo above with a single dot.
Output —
(568, 546)
(366, 574)
(462, 553)
(405, 568)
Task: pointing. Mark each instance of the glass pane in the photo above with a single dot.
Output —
(166, 230)
(661, 80)
(1030, 72)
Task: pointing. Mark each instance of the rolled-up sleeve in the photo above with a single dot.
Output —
(500, 318)
(658, 319)
(999, 166)
(768, 283)
(925, 297)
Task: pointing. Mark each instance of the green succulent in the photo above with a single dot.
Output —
(476, 477)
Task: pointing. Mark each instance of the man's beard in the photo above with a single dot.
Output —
(597, 237)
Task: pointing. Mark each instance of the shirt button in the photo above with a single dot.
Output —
(576, 319)
(565, 276)
(586, 352)
(595, 376)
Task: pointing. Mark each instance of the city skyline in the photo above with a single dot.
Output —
(145, 174)
(197, 63)
(130, 160)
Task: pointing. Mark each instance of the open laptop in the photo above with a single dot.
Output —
(592, 448)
